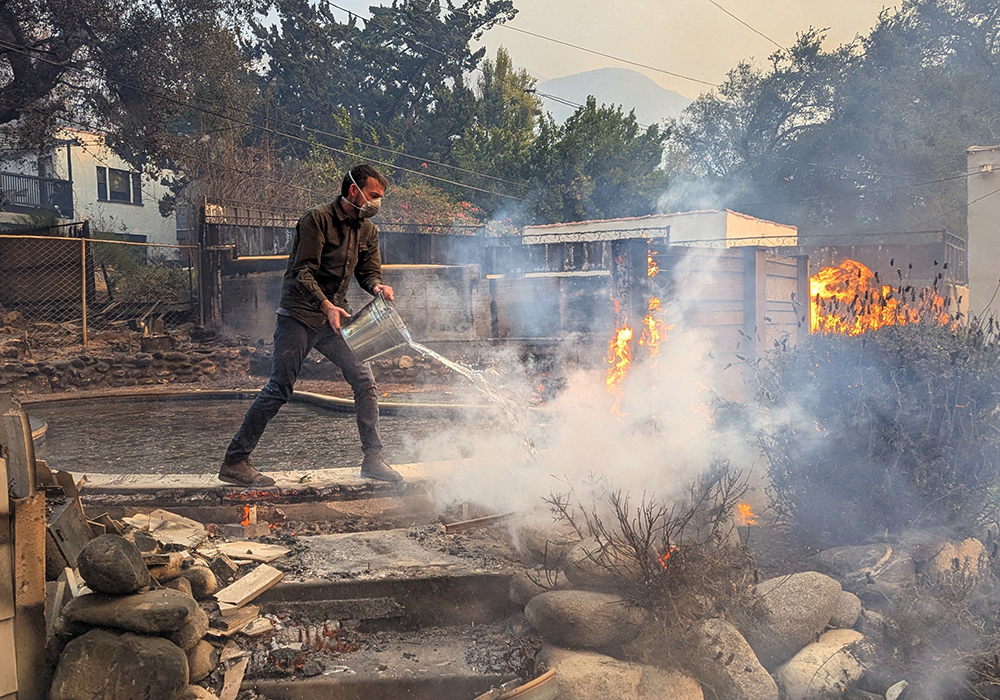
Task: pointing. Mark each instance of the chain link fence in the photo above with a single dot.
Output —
(75, 287)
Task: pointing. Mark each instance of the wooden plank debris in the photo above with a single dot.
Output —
(253, 551)
(29, 595)
(258, 626)
(233, 679)
(169, 528)
(8, 664)
(232, 650)
(250, 586)
(231, 625)
(475, 522)
(56, 592)
(15, 435)
(6, 551)
(68, 532)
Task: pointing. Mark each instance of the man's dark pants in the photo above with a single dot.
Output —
(292, 342)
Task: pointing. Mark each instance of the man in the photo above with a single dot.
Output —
(332, 242)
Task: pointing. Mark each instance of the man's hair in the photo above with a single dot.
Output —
(361, 174)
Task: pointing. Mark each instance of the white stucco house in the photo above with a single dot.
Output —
(82, 179)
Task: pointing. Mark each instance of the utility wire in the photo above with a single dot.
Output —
(417, 42)
(250, 124)
(607, 55)
(755, 31)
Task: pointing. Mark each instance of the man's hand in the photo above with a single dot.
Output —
(334, 314)
(385, 290)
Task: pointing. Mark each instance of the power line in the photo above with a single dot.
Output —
(755, 31)
(554, 98)
(606, 55)
(252, 125)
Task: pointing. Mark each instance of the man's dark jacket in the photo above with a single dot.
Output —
(329, 248)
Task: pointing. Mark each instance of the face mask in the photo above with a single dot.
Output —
(370, 207)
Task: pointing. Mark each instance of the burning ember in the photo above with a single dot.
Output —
(745, 515)
(851, 299)
(666, 556)
(620, 358)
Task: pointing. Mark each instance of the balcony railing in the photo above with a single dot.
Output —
(27, 193)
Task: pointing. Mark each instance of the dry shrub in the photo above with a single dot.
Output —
(883, 432)
(680, 558)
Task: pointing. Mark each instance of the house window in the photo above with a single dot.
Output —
(118, 186)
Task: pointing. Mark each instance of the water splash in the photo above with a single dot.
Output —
(485, 383)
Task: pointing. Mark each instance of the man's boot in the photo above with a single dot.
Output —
(243, 474)
(374, 467)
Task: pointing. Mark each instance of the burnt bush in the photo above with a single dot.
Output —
(883, 432)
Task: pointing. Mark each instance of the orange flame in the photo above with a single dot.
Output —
(619, 358)
(246, 516)
(654, 331)
(745, 515)
(652, 267)
(850, 299)
(666, 556)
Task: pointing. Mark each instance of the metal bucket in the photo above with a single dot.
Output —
(375, 330)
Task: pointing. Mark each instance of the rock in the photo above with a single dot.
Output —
(106, 665)
(312, 668)
(525, 585)
(180, 584)
(847, 612)
(896, 691)
(153, 612)
(191, 631)
(196, 692)
(587, 675)
(589, 566)
(202, 659)
(111, 564)
(168, 571)
(872, 572)
(722, 660)
(824, 669)
(405, 362)
(584, 619)
(796, 608)
(956, 562)
(203, 581)
(542, 543)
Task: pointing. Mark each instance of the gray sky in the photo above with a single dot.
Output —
(691, 37)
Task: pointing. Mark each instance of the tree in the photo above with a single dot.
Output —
(401, 73)
(501, 137)
(600, 164)
(868, 138)
(127, 69)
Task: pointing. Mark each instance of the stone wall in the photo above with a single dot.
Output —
(98, 370)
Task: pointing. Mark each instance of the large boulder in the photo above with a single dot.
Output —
(152, 612)
(586, 675)
(722, 660)
(540, 542)
(106, 665)
(202, 660)
(824, 669)
(525, 585)
(872, 572)
(848, 611)
(202, 580)
(111, 564)
(956, 561)
(191, 632)
(585, 619)
(793, 610)
(589, 565)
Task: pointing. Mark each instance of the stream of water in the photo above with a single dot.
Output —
(483, 382)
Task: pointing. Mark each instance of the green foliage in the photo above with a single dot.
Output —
(501, 138)
(798, 141)
(103, 62)
(895, 429)
(599, 164)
